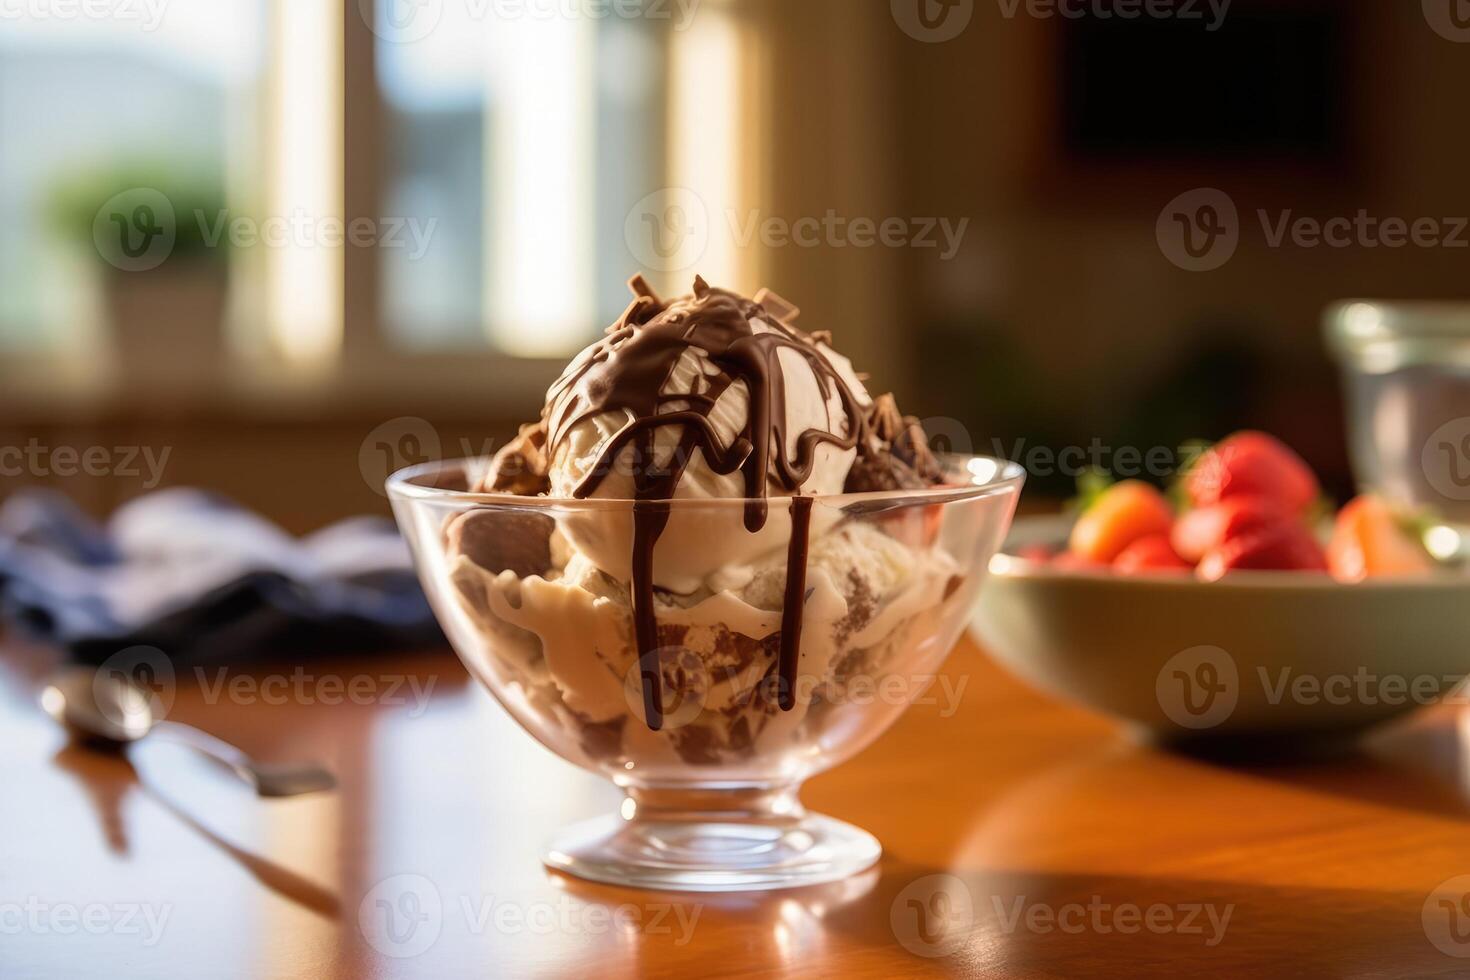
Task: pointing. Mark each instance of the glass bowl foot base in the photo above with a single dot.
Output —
(723, 851)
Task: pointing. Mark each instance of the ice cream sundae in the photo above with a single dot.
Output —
(728, 613)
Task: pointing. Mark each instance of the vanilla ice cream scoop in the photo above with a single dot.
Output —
(712, 396)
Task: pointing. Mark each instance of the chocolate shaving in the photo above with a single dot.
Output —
(781, 308)
(896, 454)
(521, 466)
(912, 446)
(882, 471)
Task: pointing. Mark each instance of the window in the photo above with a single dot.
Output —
(518, 143)
(85, 102)
(502, 152)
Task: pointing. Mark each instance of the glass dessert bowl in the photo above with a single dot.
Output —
(778, 664)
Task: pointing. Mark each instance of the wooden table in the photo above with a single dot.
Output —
(1023, 838)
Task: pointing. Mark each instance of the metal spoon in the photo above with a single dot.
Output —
(112, 709)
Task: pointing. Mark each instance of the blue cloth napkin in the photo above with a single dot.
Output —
(205, 581)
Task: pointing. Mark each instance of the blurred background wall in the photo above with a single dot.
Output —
(284, 246)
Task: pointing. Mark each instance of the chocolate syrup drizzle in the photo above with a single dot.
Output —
(627, 371)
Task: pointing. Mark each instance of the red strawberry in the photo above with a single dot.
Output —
(1151, 554)
(1368, 542)
(1283, 547)
(1253, 464)
(1121, 515)
(1204, 529)
(1038, 553)
(1070, 562)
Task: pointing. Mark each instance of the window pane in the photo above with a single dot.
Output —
(88, 107)
(521, 142)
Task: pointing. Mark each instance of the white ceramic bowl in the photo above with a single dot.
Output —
(1260, 654)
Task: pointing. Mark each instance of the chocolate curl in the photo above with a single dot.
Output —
(886, 419)
(640, 289)
(501, 541)
(784, 310)
(645, 306)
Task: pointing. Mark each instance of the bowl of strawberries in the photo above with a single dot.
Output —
(1239, 606)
